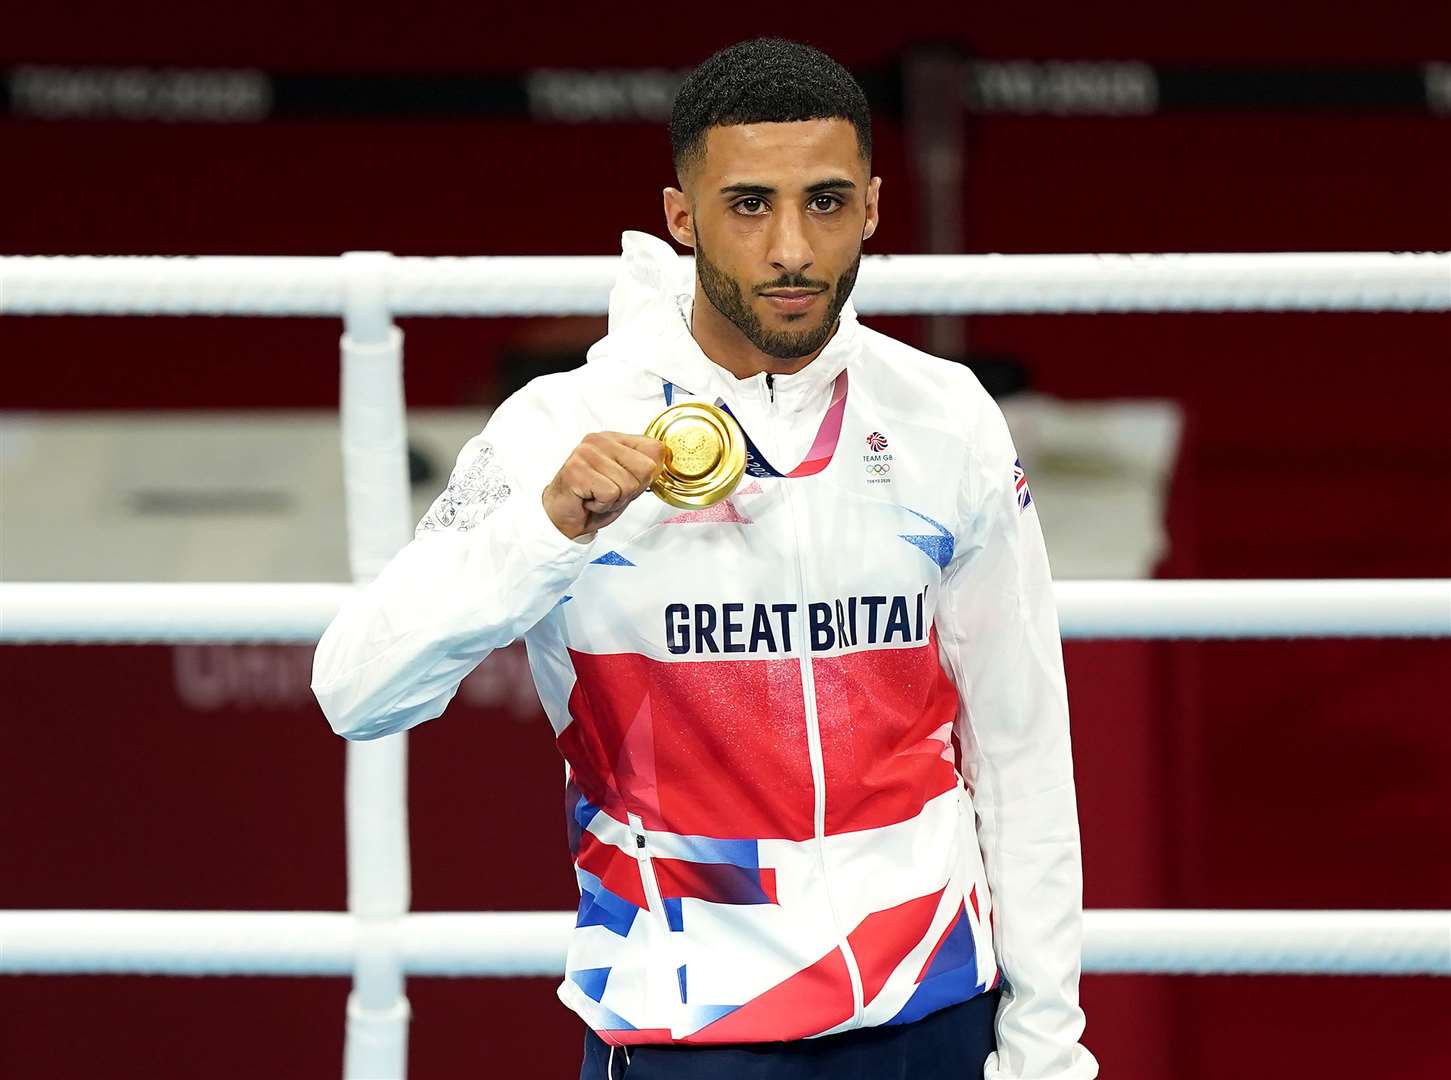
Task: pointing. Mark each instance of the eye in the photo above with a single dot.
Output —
(753, 199)
(832, 202)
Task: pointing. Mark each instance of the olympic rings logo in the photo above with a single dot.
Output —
(879, 468)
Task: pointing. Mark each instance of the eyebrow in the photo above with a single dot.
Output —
(835, 183)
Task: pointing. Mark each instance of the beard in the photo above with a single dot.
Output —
(725, 296)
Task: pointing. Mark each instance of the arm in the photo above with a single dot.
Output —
(998, 629)
(486, 563)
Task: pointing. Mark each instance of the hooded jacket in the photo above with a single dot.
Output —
(818, 762)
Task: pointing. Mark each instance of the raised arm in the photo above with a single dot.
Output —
(492, 556)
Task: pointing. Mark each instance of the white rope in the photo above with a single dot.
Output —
(888, 284)
(533, 943)
(249, 612)
(84, 613)
(1268, 942)
(1255, 609)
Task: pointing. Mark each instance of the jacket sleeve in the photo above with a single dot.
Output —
(998, 632)
(486, 563)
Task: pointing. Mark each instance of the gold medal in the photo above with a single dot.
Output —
(705, 454)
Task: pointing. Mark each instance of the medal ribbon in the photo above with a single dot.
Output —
(823, 447)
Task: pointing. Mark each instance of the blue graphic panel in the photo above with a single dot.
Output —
(938, 992)
(584, 812)
(578, 813)
(612, 1021)
(959, 950)
(611, 558)
(709, 849)
(951, 978)
(937, 547)
(591, 981)
(699, 1016)
(600, 907)
(722, 883)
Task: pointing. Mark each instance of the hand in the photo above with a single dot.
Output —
(607, 471)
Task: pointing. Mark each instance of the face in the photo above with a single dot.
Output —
(778, 207)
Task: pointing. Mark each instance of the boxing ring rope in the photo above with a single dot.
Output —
(133, 614)
(377, 940)
(579, 285)
(533, 943)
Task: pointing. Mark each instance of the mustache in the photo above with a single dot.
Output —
(794, 283)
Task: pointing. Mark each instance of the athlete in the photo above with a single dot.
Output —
(819, 789)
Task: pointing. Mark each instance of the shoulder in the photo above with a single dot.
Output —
(942, 392)
(608, 374)
(558, 399)
(552, 412)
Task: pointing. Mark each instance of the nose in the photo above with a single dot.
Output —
(790, 248)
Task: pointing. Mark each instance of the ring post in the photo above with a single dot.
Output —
(375, 481)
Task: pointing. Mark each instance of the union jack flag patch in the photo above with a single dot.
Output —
(1020, 485)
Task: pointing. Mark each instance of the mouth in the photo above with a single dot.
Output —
(793, 299)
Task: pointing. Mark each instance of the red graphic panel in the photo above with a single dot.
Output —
(808, 1003)
(883, 939)
(617, 871)
(705, 748)
(720, 883)
(886, 721)
(635, 1036)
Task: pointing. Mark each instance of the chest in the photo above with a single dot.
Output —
(849, 556)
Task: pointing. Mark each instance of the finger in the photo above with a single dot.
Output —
(651, 448)
(627, 484)
(587, 483)
(600, 504)
(641, 466)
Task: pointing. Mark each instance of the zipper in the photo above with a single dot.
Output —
(813, 745)
(668, 987)
(771, 388)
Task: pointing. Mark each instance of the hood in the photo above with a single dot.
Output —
(649, 323)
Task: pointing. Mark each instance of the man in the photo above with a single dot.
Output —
(783, 870)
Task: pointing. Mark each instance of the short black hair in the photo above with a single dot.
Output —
(762, 81)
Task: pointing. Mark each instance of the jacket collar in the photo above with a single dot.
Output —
(650, 320)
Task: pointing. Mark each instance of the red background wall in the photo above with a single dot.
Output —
(1284, 774)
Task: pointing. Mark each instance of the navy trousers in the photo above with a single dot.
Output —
(950, 1044)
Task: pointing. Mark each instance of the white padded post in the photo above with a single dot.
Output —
(375, 480)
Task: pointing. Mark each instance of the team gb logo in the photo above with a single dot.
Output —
(878, 463)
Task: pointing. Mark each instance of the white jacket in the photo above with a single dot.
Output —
(762, 704)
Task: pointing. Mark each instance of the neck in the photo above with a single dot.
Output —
(724, 344)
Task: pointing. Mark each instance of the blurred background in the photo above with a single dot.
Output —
(1271, 774)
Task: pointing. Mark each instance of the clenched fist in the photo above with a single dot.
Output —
(606, 472)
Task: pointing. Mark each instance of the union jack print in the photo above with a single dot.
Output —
(1020, 485)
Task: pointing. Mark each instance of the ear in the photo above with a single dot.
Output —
(678, 218)
(874, 190)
